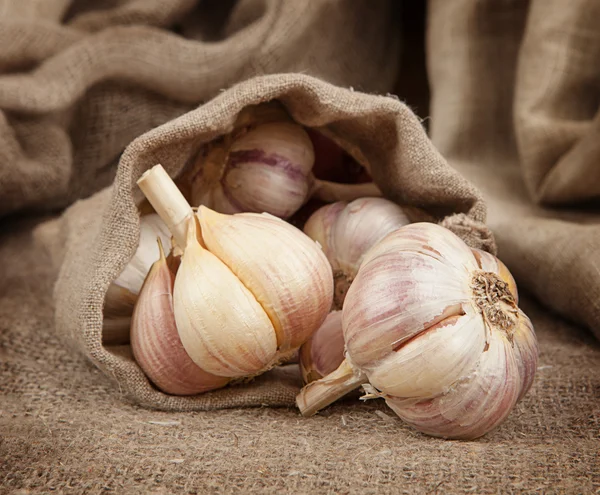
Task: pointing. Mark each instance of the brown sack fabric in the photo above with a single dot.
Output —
(102, 232)
(79, 80)
(515, 107)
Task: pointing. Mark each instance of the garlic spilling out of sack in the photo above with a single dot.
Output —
(346, 231)
(324, 351)
(250, 288)
(264, 169)
(434, 327)
(123, 292)
(155, 341)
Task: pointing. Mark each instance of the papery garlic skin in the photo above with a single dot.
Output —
(155, 341)
(265, 169)
(436, 329)
(222, 326)
(285, 270)
(348, 230)
(324, 351)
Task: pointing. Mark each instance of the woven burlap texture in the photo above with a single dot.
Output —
(79, 80)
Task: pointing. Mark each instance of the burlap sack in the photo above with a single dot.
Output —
(515, 99)
(102, 232)
(79, 80)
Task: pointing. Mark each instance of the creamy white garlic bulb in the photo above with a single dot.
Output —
(249, 291)
(434, 327)
(264, 169)
(346, 231)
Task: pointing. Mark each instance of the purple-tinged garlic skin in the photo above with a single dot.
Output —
(155, 341)
(324, 351)
(346, 231)
(266, 169)
(436, 328)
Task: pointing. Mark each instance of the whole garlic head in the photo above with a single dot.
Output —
(265, 169)
(346, 231)
(434, 327)
(250, 290)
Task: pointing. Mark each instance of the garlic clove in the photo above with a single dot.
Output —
(427, 290)
(221, 324)
(324, 351)
(285, 270)
(475, 404)
(458, 340)
(155, 341)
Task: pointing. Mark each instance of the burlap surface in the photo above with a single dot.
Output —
(515, 89)
(65, 427)
(79, 80)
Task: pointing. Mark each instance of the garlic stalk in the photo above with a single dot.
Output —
(434, 327)
(122, 293)
(250, 288)
(324, 351)
(155, 341)
(346, 231)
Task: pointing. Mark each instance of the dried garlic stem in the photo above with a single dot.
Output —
(167, 200)
(317, 395)
(331, 192)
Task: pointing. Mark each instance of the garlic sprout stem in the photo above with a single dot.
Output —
(321, 393)
(331, 192)
(167, 200)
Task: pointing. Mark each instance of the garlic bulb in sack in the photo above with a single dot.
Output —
(123, 292)
(250, 288)
(433, 327)
(346, 231)
(264, 169)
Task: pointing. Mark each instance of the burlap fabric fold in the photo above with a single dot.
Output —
(79, 80)
(515, 107)
(102, 232)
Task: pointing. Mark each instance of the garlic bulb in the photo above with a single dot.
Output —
(265, 169)
(250, 288)
(155, 341)
(324, 351)
(122, 293)
(346, 231)
(434, 327)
